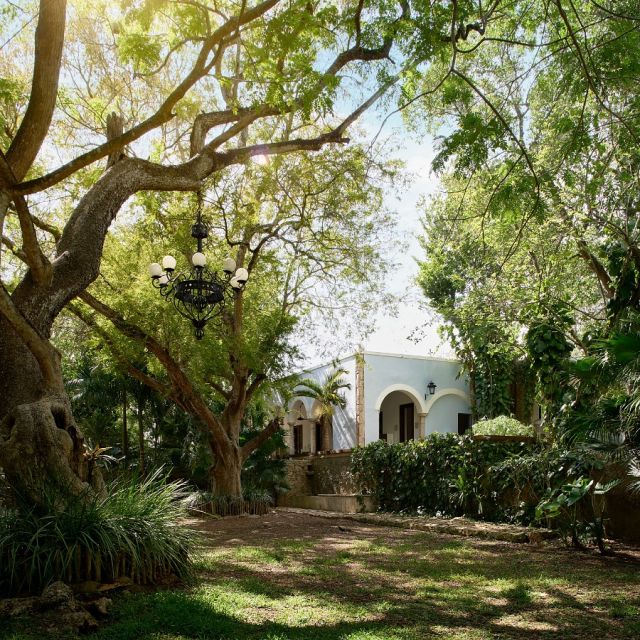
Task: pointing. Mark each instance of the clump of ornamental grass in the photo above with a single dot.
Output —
(253, 502)
(133, 531)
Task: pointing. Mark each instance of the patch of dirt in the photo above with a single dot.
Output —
(336, 533)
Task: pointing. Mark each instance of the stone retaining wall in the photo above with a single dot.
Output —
(299, 475)
(322, 474)
(332, 474)
(333, 503)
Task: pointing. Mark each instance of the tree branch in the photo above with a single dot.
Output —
(245, 116)
(49, 41)
(146, 379)
(43, 351)
(219, 389)
(190, 399)
(34, 257)
(164, 113)
(270, 430)
(596, 266)
(255, 383)
(7, 242)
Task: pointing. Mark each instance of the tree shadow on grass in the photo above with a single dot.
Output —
(186, 616)
(516, 609)
(372, 585)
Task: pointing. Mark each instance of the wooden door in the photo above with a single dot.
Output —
(407, 412)
(297, 439)
(381, 434)
(464, 423)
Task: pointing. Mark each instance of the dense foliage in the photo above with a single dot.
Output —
(442, 474)
(132, 531)
(506, 481)
(532, 250)
(502, 426)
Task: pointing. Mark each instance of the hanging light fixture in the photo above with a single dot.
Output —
(197, 294)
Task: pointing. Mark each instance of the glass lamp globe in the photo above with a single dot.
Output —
(198, 259)
(155, 270)
(168, 263)
(229, 265)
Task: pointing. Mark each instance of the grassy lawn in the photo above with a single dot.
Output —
(289, 576)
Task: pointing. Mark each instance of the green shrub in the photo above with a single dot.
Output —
(443, 474)
(579, 509)
(133, 532)
(262, 472)
(502, 426)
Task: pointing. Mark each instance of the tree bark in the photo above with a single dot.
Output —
(141, 432)
(125, 430)
(327, 435)
(42, 453)
(226, 471)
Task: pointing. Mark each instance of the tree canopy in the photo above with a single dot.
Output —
(532, 248)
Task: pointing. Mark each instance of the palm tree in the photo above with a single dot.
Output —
(605, 416)
(327, 393)
(97, 395)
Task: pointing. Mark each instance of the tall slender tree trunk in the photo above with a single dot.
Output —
(141, 433)
(327, 436)
(125, 430)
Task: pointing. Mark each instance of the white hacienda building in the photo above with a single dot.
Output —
(391, 398)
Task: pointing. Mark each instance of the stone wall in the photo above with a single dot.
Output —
(332, 474)
(315, 475)
(299, 476)
(623, 515)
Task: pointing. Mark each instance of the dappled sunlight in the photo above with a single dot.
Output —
(418, 584)
(299, 577)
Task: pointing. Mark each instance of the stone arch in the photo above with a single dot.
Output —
(297, 411)
(316, 410)
(451, 391)
(409, 391)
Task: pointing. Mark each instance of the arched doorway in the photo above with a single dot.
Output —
(296, 419)
(399, 418)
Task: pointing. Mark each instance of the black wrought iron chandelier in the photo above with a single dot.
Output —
(197, 294)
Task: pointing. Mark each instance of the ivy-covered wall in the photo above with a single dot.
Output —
(499, 478)
(442, 474)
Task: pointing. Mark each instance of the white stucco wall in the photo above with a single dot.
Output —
(443, 415)
(344, 420)
(386, 373)
(389, 381)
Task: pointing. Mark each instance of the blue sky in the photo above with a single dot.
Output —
(411, 327)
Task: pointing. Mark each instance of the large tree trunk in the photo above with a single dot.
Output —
(41, 447)
(226, 472)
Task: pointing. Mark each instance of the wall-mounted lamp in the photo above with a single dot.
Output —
(431, 388)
